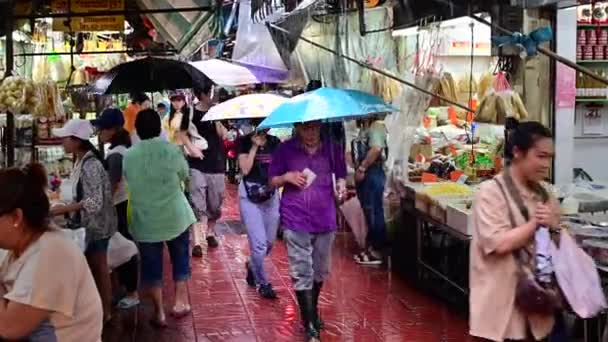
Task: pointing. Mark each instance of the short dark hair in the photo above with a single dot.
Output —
(121, 138)
(202, 89)
(526, 134)
(139, 98)
(161, 105)
(313, 85)
(147, 124)
(25, 189)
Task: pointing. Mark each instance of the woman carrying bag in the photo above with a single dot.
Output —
(511, 213)
(259, 205)
(92, 206)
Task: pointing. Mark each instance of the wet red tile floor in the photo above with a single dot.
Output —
(357, 304)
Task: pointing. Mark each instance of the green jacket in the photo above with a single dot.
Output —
(155, 171)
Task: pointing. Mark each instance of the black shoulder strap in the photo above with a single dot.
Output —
(518, 254)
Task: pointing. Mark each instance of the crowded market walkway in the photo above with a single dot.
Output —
(358, 303)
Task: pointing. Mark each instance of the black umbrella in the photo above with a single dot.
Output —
(150, 74)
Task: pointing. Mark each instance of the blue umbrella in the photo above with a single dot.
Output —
(326, 104)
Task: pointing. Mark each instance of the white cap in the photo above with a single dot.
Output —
(81, 129)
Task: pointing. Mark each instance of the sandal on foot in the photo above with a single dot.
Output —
(181, 313)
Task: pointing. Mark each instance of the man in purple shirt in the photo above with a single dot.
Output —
(312, 173)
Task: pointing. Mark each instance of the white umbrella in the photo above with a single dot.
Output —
(225, 73)
(251, 106)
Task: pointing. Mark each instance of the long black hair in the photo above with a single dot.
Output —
(185, 110)
(121, 138)
(87, 146)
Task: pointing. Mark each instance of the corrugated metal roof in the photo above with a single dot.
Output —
(186, 31)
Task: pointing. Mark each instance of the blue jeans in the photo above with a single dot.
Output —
(371, 195)
(262, 223)
(151, 260)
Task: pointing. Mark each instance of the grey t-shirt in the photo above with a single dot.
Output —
(114, 160)
(115, 168)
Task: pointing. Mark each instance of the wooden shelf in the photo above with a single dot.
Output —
(591, 100)
(592, 61)
(588, 26)
(590, 137)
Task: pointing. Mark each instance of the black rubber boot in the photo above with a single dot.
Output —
(316, 293)
(306, 303)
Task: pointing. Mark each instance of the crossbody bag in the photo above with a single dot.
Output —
(530, 295)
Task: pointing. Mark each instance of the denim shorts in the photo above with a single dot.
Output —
(98, 246)
(151, 260)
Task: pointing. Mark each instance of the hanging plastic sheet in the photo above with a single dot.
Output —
(342, 34)
(254, 45)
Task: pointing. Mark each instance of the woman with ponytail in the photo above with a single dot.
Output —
(92, 206)
(47, 292)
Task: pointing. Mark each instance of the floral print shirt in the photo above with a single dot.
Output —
(93, 190)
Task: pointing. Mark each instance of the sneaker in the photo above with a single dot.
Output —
(250, 277)
(212, 241)
(197, 251)
(128, 303)
(368, 259)
(266, 291)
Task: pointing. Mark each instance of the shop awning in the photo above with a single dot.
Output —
(186, 31)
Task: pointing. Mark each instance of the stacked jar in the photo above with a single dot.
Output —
(592, 44)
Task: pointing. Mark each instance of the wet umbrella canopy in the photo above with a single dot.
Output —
(150, 74)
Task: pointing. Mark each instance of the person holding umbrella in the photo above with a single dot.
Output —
(312, 172)
(206, 185)
(304, 167)
(259, 204)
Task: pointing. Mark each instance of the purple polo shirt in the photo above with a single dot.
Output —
(312, 209)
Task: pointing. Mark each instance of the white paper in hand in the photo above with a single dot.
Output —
(310, 176)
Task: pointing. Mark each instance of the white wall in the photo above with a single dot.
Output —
(591, 152)
(564, 117)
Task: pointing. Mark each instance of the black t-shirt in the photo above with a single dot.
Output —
(263, 157)
(214, 160)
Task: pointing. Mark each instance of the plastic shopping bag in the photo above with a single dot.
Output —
(578, 277)
(120, 250)
(354, 216)
(76, 235)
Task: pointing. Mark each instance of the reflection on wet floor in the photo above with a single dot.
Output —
(358, 303)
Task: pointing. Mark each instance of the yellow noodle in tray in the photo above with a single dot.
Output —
(448, 189)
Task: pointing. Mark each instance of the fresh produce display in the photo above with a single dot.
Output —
(13, 94)
(482, 161)
(448, 189)
(22, 96)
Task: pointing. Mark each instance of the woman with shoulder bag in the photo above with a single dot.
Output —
(513, 295)
(259, 205)
(93, 206)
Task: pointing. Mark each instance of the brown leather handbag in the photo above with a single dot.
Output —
(531, 296)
